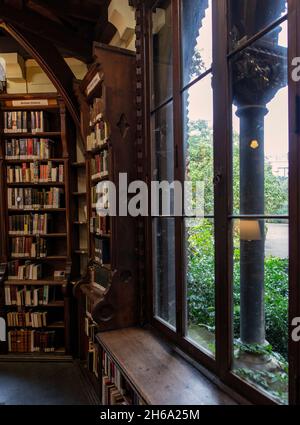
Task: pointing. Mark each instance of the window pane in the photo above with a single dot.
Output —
(162, 53)
(196, 38)
(247, 18)
(198, 138)
(164, 269)
(260, 126)
(200, 272)
(163, 144)
(261, 304)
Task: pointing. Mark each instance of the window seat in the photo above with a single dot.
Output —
(156, 372)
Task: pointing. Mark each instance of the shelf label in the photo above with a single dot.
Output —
(30, 102)
(93, 83)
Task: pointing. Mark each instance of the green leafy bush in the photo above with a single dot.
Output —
(201, 288)
(200, 245)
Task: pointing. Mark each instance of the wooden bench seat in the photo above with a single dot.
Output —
(156, 372)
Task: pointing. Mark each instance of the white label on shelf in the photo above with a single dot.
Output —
(30, 102)
(93, 83)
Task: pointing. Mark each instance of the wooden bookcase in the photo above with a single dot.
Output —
(80, 215)
(107, 295)
(36, 230)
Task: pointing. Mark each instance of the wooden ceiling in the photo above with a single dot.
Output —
(70, 25)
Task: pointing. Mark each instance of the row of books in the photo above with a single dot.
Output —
(26, 271)
(100, 225)
(28, 319)
(102, 251)
(28, 296)
(24, 121)
(15, 121)
(100, 196)
(30, 198)
(99, 165)
(98, 136)
(96, 111)
(29, 224)
(115, 389)
(35, 173)
(31, 341)
(93, 358)
(28, 149)
(90, 327)
(22, 247)
(112, 372)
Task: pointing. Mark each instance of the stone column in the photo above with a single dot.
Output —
(258, 73)
(252, 309)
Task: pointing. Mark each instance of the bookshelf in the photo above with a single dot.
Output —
(36, 243)
(80, 216)
(116, 389)
(107, 293)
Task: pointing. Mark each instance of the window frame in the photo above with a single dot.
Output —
(221, 365)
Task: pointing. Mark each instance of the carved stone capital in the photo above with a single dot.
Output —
(258, 72)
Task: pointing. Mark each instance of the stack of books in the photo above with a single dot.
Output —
(99, 165)
(115, 389)
(28, 247)
(29, 198)
(100, 194)
(35, 173)
(23, 122)
(31, 341)
(100, 225)
(28, 149)
(15, 122)
(29, 319)
(27, 271)
(26, 295)
(96, 111)
(34, 224)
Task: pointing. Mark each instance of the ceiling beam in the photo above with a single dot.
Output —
(41, 9)
(59, 35)
(104, 30)
(85, 11)
(52, 63)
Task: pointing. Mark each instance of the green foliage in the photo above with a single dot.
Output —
(201, 293)
(200, 168)
(275, 383)
(201, 288)
(201, 264)
(262, 350)
(197, 66)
